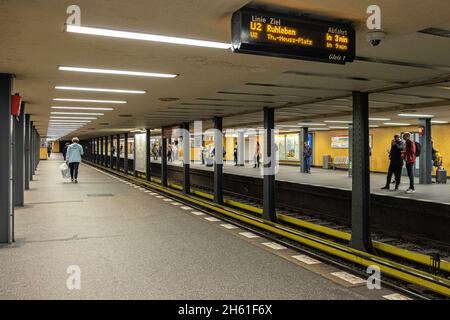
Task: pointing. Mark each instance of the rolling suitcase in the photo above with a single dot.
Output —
(441, 176)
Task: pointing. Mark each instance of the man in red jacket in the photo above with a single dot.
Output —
(410, 158)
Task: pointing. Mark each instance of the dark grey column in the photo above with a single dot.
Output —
(19, 158)
(6, 209)
(218, 161)
(163, 159)
(102, 149)
(105, 152)
(98, 149)
(269, 212)
(32, 138)
(148, 165)
(186, 159)
(426, 167)
(118, 153)
(27, 151)
(361, 238)
(111, 152)
(303, 138)
(125, 154)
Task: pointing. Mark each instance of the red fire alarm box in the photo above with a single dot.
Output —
(16, 102)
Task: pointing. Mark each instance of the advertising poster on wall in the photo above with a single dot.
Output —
(140, 158)
(339, 142)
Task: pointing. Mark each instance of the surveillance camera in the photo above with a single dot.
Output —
(375, 37)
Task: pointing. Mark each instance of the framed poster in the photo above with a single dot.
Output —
(140, 156)
(339, 142)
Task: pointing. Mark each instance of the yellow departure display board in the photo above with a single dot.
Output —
(266, 33)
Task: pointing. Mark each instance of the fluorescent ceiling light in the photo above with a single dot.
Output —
(78, 113)
(74, 118)
(83, 108)
(379, 119)
(396, 124)
(373, 126)
(319, 129)
(412, 115)
(310, 124)
(338, 127)
(119, 72)
(145, 37)
(338, 121)
(91, 101)
(71, 121)
(100, 90)
(439, 121)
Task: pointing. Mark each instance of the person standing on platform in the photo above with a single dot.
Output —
(49, 149)
(409, 154)
(257, 156)
(65, 150)
(307, 154)
(396, 162)
(235, 154)
(74, 153)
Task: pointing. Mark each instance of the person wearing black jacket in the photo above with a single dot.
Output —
(65, 150)
(396, 163)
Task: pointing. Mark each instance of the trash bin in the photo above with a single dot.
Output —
(441, 176)
(326, 161)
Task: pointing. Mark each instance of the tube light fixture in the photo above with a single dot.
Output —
(74, 121)
(412, 115)
(439, 121)
(396, 124)
(338, 127)
(74, 118)
(379, 119)
(83, 108)
(145, 37)
(100, 90)
(306, 124)
(118, 72)
(78, 113)
(91, 101)
(338, 121)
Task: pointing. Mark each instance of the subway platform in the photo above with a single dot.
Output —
(132, 243)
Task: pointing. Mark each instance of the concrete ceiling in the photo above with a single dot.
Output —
(218, 82)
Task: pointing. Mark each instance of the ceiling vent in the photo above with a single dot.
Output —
(436, 32)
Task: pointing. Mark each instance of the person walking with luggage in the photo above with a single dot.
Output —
(307, 154)
(409, 154)
(74, 153)
(396, 162)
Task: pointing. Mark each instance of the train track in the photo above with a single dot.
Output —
(416, 273)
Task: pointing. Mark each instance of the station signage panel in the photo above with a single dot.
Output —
(273, 34)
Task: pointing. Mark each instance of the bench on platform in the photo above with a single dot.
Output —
(340, 162)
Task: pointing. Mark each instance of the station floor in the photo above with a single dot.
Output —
(339, 179)
(130, 243)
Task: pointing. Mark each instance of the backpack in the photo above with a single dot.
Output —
(418, 148)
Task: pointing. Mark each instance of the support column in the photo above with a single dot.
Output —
(302, 139)
(32, 138)
(19, 158)
(350, 149)
(102, 149)
(218, 161)
(163, 158)
(186, 159)
(148, 157)
(241, 148)
(6, 209)
(426, 167)
(361, 238)
(27, 151)
(125, 153)
(111, 152)
(118, 153)
(105, 152)
(269, 212)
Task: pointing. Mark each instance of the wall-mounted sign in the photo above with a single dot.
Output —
(273, 34)
(339, 142)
